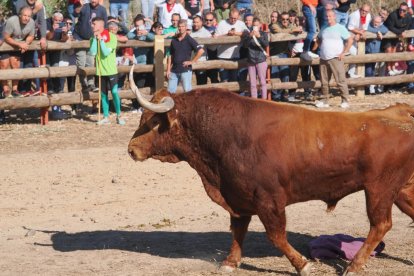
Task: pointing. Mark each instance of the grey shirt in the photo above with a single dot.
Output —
(39, 18)
(17, 31)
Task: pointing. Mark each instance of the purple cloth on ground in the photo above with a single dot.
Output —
(339, 246)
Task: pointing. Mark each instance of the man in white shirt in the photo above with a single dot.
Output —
(332, 52)
(231, 27)
(357, 24)
(201, 32)
(167, 9)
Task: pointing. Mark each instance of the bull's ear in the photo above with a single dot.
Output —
(172, 117)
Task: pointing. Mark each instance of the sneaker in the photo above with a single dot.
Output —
(51, 92)
(392, 73)
(292, 99)
(398, 72)
(372, 89)
(120, 121)
(308, 56)
(313, 55)
(344, 105)
(7, 95)
(321, 104)
(104, 121)
(93, 88)
(16, 94)
(308, 96)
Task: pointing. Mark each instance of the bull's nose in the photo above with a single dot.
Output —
(132, 153)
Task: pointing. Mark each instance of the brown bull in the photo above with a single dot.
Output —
(256, 157)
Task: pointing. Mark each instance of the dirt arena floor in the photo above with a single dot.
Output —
(74, 203)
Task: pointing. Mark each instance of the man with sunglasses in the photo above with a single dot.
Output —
(210, 24)
(399, 21)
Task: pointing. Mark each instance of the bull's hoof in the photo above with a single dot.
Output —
(348, 273)
(227, 268)
(306, 270)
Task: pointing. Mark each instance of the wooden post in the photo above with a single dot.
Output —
(360, 70)
(44, 112)
(159, 62)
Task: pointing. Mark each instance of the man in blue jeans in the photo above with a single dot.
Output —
(179, 63)
(119, 8)
(309, 12)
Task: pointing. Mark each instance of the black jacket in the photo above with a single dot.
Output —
(255, 54)
(397, 24)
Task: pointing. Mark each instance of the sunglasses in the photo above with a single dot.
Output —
(69, 23)
(285, 19)
(403, 10)
(209, 20)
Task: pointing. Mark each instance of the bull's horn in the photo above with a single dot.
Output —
(166, 104)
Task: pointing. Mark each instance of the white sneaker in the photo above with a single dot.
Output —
(313, 55)
(344, 105)
(104, 121)
(308, 56)
(380, 89)
(354, 76)
(320, 104)
(372, 89)
(392, 73)
(398, 72)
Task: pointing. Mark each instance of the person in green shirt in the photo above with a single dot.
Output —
(106, 67)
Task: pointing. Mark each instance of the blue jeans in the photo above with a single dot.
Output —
(175, 78)
(228, 75)
(71, 10)
(116, 9)
(147, 7)
(341, 17)
(310, 27)
(246, 6)
(281, 72)
(410, 70)
(370, 69)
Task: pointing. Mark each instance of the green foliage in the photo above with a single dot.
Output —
(50, 6)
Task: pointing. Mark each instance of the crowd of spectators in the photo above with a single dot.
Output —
(183, 20)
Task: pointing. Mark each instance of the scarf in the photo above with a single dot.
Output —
(105, 36)
(170, 7)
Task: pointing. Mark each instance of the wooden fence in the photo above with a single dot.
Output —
(44, 101)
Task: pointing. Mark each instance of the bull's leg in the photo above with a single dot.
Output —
(275, 225)
(379, 214)
(239, 229)
(405, 201)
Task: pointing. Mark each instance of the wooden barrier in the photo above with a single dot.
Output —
(79, 97)
(158, 69)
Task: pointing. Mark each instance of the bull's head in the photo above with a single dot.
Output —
(153, 137)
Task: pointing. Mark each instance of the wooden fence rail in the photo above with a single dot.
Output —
(79, 97)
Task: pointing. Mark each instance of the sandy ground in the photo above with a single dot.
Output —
(74, 203)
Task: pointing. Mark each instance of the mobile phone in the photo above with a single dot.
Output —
(61, 24)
